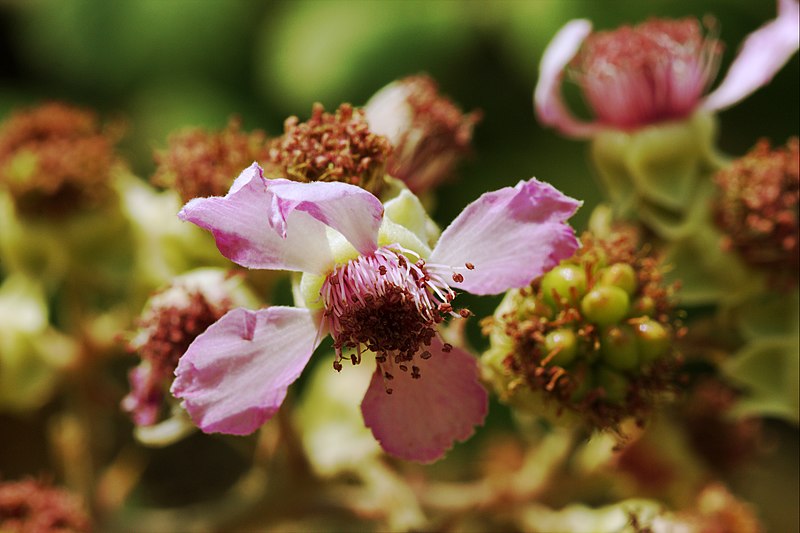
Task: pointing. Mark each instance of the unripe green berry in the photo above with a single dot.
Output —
(613, 383)
(563, 340)
(644, 306)
(605, 305)
(564, 282)
(619, 347)
(653, 340)
(619, 275)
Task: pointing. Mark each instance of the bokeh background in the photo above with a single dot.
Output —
(163, 65)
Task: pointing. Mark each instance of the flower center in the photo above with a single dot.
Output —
(390, 303)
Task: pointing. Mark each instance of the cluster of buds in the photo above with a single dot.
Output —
(593, 336)
(330, 147)
(56, 159)
(757, 209)
(200, 163)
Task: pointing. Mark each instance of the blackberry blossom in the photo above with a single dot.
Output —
(654, 72)
(376, 287)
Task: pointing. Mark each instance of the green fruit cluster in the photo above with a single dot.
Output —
(607, 334)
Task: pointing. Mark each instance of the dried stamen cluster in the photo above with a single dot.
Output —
(430, 134)
(757, 208)
(199, 163)
(32, 505)
(56, 159)
(330, 147)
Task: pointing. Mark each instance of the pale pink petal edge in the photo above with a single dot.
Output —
(761, 56)
(548, 100)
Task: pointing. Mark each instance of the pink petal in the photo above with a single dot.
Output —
(424, 417)
(351, 210)
(511, 236)
(761, 56)
(547, 98)
(281, 225)
(234, 377)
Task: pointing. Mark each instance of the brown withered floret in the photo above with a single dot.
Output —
(757, 209)
(170, 330)
(56, 159)
(199, 163)
(330, 147)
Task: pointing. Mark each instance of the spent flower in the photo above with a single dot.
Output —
(757, 209)
(200, 163)
(654, 72)
(330, 147)
(56, 159)
(429, 133)
(376, 287)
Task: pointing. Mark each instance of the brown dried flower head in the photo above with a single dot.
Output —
(201, 163)
(56, 158)
(757, 209)
(173, 319)
(330, 147)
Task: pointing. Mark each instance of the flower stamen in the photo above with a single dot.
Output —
(390, 303)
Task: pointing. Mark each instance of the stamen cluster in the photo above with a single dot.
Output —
(389, 304)
(655, 71)
(757, 208)
(56, 158)
(199, 163)
(594, 334)
(331, 147)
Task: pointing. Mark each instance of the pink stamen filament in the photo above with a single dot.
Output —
(389, 302)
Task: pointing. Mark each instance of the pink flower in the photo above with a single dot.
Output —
(373, 284)
(657, 71)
